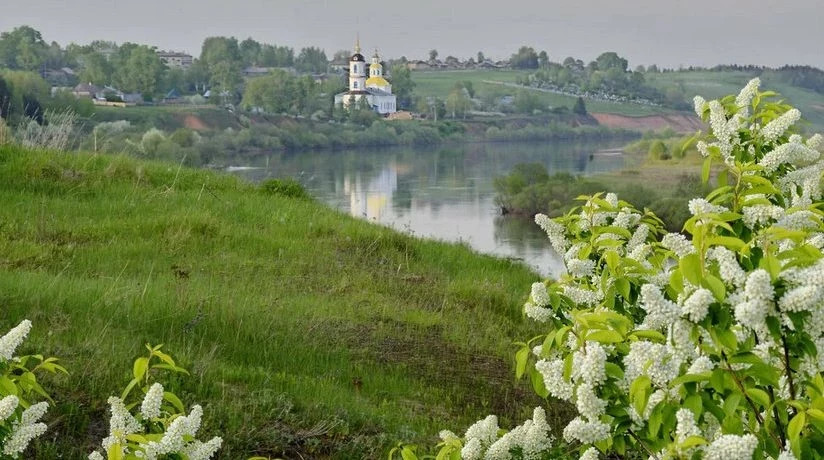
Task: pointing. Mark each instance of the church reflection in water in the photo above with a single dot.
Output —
(371, 198)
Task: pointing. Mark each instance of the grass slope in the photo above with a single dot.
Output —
(307, 332)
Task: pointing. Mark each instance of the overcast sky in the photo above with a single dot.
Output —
(669, 33)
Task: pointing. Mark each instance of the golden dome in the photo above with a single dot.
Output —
(375, 65)
(376, 81)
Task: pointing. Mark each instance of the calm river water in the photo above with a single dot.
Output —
(445, 193)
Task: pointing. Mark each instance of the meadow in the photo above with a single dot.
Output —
(306, 332)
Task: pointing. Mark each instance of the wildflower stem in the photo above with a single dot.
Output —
(743, 391)
(777, 418)
(787, 368)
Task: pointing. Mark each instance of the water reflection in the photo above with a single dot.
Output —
(443, 193)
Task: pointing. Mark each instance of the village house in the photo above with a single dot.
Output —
(176, 59)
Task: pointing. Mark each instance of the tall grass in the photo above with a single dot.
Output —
(307, 332)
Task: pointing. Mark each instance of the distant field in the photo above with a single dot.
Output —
(711, 85)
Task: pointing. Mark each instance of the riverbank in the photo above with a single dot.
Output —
(306, 332)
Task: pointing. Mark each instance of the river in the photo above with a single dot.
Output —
(440, 192)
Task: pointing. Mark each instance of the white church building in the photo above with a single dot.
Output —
(375, 89)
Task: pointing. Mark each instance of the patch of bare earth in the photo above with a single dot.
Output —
(193, 122)
(681, 123)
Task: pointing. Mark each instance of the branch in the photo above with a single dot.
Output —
(651, 454)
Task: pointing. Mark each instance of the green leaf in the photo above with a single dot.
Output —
(694, 403)
(174, 401)
(759, 397)
(731, 403)
(140, 366)
(716, 286)
(691, 269)
(605, 336)
(817, 414)
(705, 170)
(623, 286)
(521, 358)
(639, 393)
(693, 441)
(648, 334)
(538, 383)
(727, 241)
(613, 370)
(771, 264)
(690, 378)
(796, 426)
(128, 389)
(407, 453)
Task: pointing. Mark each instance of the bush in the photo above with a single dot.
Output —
(288, 188)
(707, 347)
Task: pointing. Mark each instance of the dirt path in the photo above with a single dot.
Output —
(681, 123)
(193, 122)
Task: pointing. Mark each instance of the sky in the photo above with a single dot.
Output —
(669, 33)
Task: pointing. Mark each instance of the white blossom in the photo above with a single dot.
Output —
(553, 374)
(815, 141)
(698, 305)
(700, 365)
(732, 447)
(653, 360)
(539, 314)
(589, 364)
(590, 454)
(698, 103)
(539, 294)
(581, 268)
(790, 153)
(198, 450)
(150, 408)
(678, 244)
(699, 206)
(485, 431)
(532, 437)
(13, 339)
(583, 296)
(472, 450)
(803, 298)
(8, 406)
(728, 267)
(685, 426)
(34, 413)
(586, 432)
(96, 456)
(20, 438)
(638, 237)
(746, 95)
(760, 214)
(588, 403)
(774, 129)
(554, 231)
(661, 312)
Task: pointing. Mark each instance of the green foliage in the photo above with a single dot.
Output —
(287, 188)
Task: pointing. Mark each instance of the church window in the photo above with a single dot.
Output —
(355, 84)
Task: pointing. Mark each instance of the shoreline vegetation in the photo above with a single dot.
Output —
(234, 277)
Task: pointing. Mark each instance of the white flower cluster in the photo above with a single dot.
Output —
(700, 206)
(728, 267)
(731, 447)
(23, 430)
(13, 339)
(685, 425)
(553, 374)
(661, 312)
(178, 437)
(791, 153)
(652, 359)
(532, 438)
(774, 129)
(479, 437)
(697, 305)
(586, 432)
(760, 214)
(746, 95)
(554, 231)
(678, 243)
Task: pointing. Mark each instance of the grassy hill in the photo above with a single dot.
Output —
(306, 332)
(710, 85)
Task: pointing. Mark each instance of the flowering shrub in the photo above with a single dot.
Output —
(19, 418)
(159, 429)
(696, 345)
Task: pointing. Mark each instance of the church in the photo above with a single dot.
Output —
(375, 90)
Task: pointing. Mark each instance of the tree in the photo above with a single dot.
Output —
(222, 60)
(23, 48)
(433, 54)
(95, 68)
(458, 103)
(141, 72)
(311, 59)
(341, 56)
(525, 58)
(402, 85)
(579, 108)
(481, 57)
(250, 52)
(543, 59)
(611, 60)
(526, 102)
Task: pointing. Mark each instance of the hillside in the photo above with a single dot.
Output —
(307, 333)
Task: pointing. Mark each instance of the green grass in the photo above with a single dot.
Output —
(713, 85)
(278, 307)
